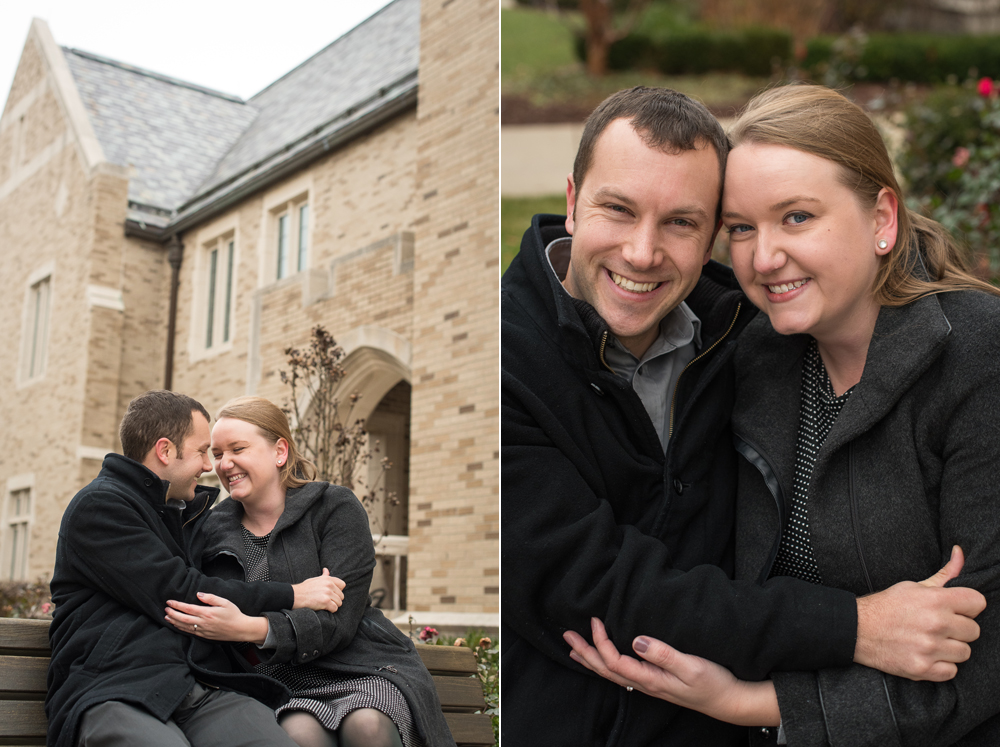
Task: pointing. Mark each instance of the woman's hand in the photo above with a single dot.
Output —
(323, 592)
(217, 620)
(682, 679)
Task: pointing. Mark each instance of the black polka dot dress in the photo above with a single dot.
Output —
(819, 411)
(314, 689)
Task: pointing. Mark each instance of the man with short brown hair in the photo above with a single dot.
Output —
(619, 474)
(128, 542)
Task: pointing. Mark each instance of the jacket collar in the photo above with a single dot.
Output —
(906, 342)
(143, 482)
(229, 514)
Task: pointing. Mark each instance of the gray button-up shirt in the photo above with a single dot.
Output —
(654, 376)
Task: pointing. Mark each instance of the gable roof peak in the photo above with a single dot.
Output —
(154, 75)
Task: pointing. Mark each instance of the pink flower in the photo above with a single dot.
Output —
(985, 87)
(428, 633)
(46, 606)
(961, 157)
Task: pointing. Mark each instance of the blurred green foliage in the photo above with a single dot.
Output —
(951, 164)
(911, 57)
(515, 218)
(693, 51)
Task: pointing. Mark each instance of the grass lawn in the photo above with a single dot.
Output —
(532, 43)
(538, 63)
(515, 217)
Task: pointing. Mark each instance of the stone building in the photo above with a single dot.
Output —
(157, 233)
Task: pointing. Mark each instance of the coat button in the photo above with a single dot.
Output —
(597, 389)
(305, 656)
(147, 482)
(678, 486)
(315, 653)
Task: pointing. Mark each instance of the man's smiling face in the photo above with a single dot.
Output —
(643, 223)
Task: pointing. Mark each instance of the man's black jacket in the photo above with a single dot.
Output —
(122, 553)
(597, 521)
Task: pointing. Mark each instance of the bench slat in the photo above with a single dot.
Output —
(459, 693)
(472, 730)
(447, 659)
(24, 649)
(23, 674)
(27, 637)
(22, 718)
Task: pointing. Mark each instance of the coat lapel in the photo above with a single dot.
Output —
(906, 341)
(769, 378)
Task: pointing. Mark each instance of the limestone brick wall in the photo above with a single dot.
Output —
(145, 284)
(47, 215)
(361, 202)
(454, 484)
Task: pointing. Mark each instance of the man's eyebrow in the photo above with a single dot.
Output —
(604, 193)
(775, 207)
(609, 194)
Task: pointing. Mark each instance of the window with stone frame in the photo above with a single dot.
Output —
(291, 237)
(214, 323)
(17, 532)
(35, 336)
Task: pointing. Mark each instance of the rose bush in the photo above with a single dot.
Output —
(951, 163)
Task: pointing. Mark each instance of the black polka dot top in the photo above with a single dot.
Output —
(819, 411)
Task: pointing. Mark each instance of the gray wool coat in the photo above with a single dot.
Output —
(325, 526)
(909, 469)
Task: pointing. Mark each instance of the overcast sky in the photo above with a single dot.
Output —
(233, 47)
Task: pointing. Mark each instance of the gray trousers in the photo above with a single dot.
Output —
(205, 718)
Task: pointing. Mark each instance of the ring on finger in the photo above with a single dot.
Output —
(196, 626)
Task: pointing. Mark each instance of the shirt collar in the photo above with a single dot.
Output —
(677, 328)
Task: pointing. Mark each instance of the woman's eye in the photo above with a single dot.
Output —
(798, 218)
(738, 229)
(238, 449)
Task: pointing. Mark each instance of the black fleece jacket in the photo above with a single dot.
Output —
(598, 521)
(122, 553)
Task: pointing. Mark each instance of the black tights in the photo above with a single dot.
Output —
(365, 727)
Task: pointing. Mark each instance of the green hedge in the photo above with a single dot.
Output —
(919, 58)
(750, 51)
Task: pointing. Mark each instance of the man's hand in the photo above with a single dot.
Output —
(920, 631)
(324, 592)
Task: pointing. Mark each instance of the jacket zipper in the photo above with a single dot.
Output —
(673, 400)
(856, 517)
(207, 501)
(753, 454)
(604, 342)
(856, 522)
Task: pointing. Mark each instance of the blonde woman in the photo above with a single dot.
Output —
(356, 681)
(868, 419)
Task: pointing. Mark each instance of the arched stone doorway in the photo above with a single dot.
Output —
(377, 363)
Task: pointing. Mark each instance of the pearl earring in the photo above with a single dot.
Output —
(883, 244)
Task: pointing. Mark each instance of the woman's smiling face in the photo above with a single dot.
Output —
(803, 248)
(245, 461)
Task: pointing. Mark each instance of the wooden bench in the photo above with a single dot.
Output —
(24, 660)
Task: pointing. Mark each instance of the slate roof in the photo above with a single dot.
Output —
(191, 145)
(171, 132)
(374, 55)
